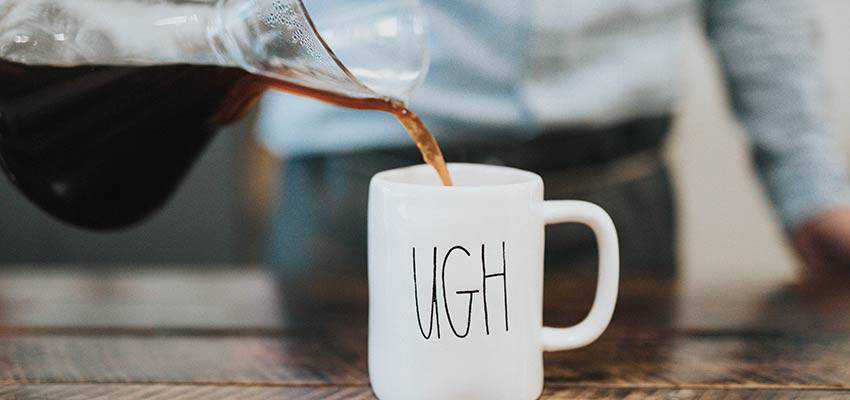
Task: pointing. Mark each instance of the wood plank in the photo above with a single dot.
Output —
(200, 392)
(591, 393)
(755, 361)
(244, 328)
(180, 392)
(254, 300)
(339, 358)
(295, 360)
(142, 298)
(765, 306)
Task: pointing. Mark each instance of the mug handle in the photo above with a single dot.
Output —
(588, 330)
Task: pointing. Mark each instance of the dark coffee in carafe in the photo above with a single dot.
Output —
(103, 147)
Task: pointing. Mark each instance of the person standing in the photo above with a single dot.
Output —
(582, 92)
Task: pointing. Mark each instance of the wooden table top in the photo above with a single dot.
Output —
(166, 333)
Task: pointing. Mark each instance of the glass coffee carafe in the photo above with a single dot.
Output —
(104, 106)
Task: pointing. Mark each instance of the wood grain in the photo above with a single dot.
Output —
(130, 334)
(293, 360)
(195, 392)
(179, 392)
(141, 298)
(339, 358)
(686, 394)
(739, 361)
(251, 299)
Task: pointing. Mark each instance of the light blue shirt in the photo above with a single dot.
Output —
(513, 67)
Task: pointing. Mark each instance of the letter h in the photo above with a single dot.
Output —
(484, 287)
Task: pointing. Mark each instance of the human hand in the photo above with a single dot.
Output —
(823, 244)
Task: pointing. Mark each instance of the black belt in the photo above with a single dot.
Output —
(570, 147)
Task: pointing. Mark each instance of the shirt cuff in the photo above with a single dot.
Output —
(800, 189)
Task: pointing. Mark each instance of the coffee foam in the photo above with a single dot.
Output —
(128, 32)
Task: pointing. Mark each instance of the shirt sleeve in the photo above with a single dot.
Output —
(768, 51)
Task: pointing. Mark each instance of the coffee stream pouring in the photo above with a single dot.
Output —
(104, 106)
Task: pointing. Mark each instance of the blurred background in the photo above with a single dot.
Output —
(219, 215)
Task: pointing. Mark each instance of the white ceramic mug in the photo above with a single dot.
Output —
(456, 283)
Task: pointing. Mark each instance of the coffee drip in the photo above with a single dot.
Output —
(416, 129)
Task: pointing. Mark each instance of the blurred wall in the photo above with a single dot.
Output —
(729, 233)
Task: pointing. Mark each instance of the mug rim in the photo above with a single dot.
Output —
(403, 178)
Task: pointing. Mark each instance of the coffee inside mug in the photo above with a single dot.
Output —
(464, 175)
